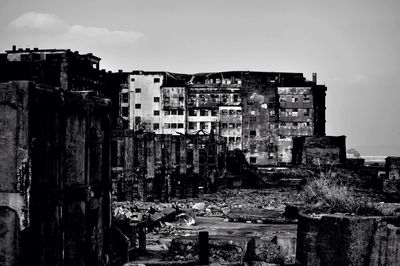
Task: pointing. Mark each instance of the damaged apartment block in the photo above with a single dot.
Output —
(256, 112)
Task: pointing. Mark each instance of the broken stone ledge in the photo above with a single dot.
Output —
(337, 239)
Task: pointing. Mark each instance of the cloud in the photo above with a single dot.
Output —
(104, 35)
(58, 32)
(37, 21)
(359, 78)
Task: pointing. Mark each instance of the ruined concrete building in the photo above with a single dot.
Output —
(257, 112)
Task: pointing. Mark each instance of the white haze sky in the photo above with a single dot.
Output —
(354, 46)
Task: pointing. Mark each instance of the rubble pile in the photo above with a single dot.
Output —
(263, 250)
(223, 252)
(220, 203)
(213, 205)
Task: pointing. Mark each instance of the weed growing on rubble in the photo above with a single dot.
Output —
(328, 193)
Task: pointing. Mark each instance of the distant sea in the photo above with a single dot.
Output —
(377, 150)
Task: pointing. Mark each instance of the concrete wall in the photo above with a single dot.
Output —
(58, 177)
(314, 150)
(230, 126)
(150, 88)
(173, 110)
(393, 167)
(169, 166)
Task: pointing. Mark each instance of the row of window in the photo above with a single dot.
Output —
(155, 80)
(295, 124)
(173, 112)
(203, 112)
(231, 112)
(294, 99)
(213, 98)
(156, 126)
(231, 125)
(232, 139)
(173, 125)
(202, 125)
(293, 112)
(168, 99)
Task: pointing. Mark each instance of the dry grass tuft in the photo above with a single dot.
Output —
(327, 193)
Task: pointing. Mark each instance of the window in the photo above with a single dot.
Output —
(132, 79)
(231, 139)
(125, 111)
(224, 125)
(138, 119)
(252, 133)
(138, 90)
(224, 112)
(203, 125)
(180, 125)
(231, 125)
(125, 98)
(306, 99)
(156, 126)
(272, 99)
(306, 112)
(214, 112)
(192, 112)
(166, 125)
(138, 106)
(156, 99)
(294, 99)
(246, 136)
(192, 125)
(239, 112)
(235, 98)
(166, 100)
(295, 124)
(238, 125)
(156, 80)
(232, 112)
(203, 112)
(213, 125)
(253, 160)
(180, 112)
(180, 98)
(173, 125)
(166, 112)
(272, 113)
(174, 112)
(156, 112)
(238, 139)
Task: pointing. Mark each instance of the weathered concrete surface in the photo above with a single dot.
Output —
(347, 240)
(57, 170)
(393, 167)
(9, 237)
(316, 150)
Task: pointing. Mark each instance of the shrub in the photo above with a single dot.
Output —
(328, 193)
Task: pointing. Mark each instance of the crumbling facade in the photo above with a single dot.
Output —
(55, 175)
(169, 166)
(257, 112)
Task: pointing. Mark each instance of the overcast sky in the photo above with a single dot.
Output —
(354, 46)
